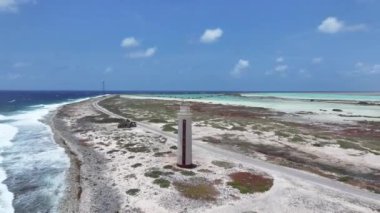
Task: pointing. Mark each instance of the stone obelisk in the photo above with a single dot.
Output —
(184, 151)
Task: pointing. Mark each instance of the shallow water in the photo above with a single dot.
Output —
(321, 108)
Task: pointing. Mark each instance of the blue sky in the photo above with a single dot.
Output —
(190, 45)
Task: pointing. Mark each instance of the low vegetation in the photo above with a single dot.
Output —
(259, 121)
(136, 165)
(344, 178)
(205, 171)
(197, 188)
(297, 138)
(173, 168)
(155, 173)
(138, 149)
(238, 128)
(157, 120)
(163, 183)
(187, 173)
(99, 119)
(349, 145)
(160, 154)
(223, 164)
(247, 182)
(169, 128)
(282, 134)
(133, 191)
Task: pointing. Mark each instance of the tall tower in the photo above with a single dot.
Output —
(184, 151)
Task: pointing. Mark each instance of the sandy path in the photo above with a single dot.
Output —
(201, 148)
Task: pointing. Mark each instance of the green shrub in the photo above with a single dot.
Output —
(153, 173)
(187, 173)
(136, 165)
(163, 183)
(297, 138)
(169, 128)
(157, 120)
(133, 191)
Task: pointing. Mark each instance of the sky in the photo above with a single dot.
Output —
(213, 45)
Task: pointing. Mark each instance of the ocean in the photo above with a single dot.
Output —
(33, 166)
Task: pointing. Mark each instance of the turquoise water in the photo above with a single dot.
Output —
(322, 104)
(321, 96)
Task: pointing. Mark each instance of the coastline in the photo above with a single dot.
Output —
(73, 198)
(106, 163)
(67, 202)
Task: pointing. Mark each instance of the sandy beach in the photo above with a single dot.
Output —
(133, 170)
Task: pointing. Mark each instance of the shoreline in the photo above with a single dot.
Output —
(67, 202)
(71, 200)
(101, 174)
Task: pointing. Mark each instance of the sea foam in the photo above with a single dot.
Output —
(27, 138)
(7, 133)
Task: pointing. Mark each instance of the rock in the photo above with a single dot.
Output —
(126, 124)
(305, 113)
(363, 103)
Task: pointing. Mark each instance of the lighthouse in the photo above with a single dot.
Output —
(184, 151)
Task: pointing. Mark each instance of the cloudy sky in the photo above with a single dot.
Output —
(324, 45)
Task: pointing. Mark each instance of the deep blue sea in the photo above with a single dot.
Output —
(32, 165)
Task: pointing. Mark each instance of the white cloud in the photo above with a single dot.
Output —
(143, 53)
(20, 64)
(280, 59)
(359, 64)
(367, 69)
(357, 27)
(13, 76)
(375, 69)
(12, 5)
(129, 42)
(333, 25)
(278, 70)
(211, 35)
(109, 69)
(281, 68)
(304, 73)
(240, 66)
(8, 5)
(317, 60)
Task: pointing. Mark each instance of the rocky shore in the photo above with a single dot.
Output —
(87, 187)
(133, 170)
